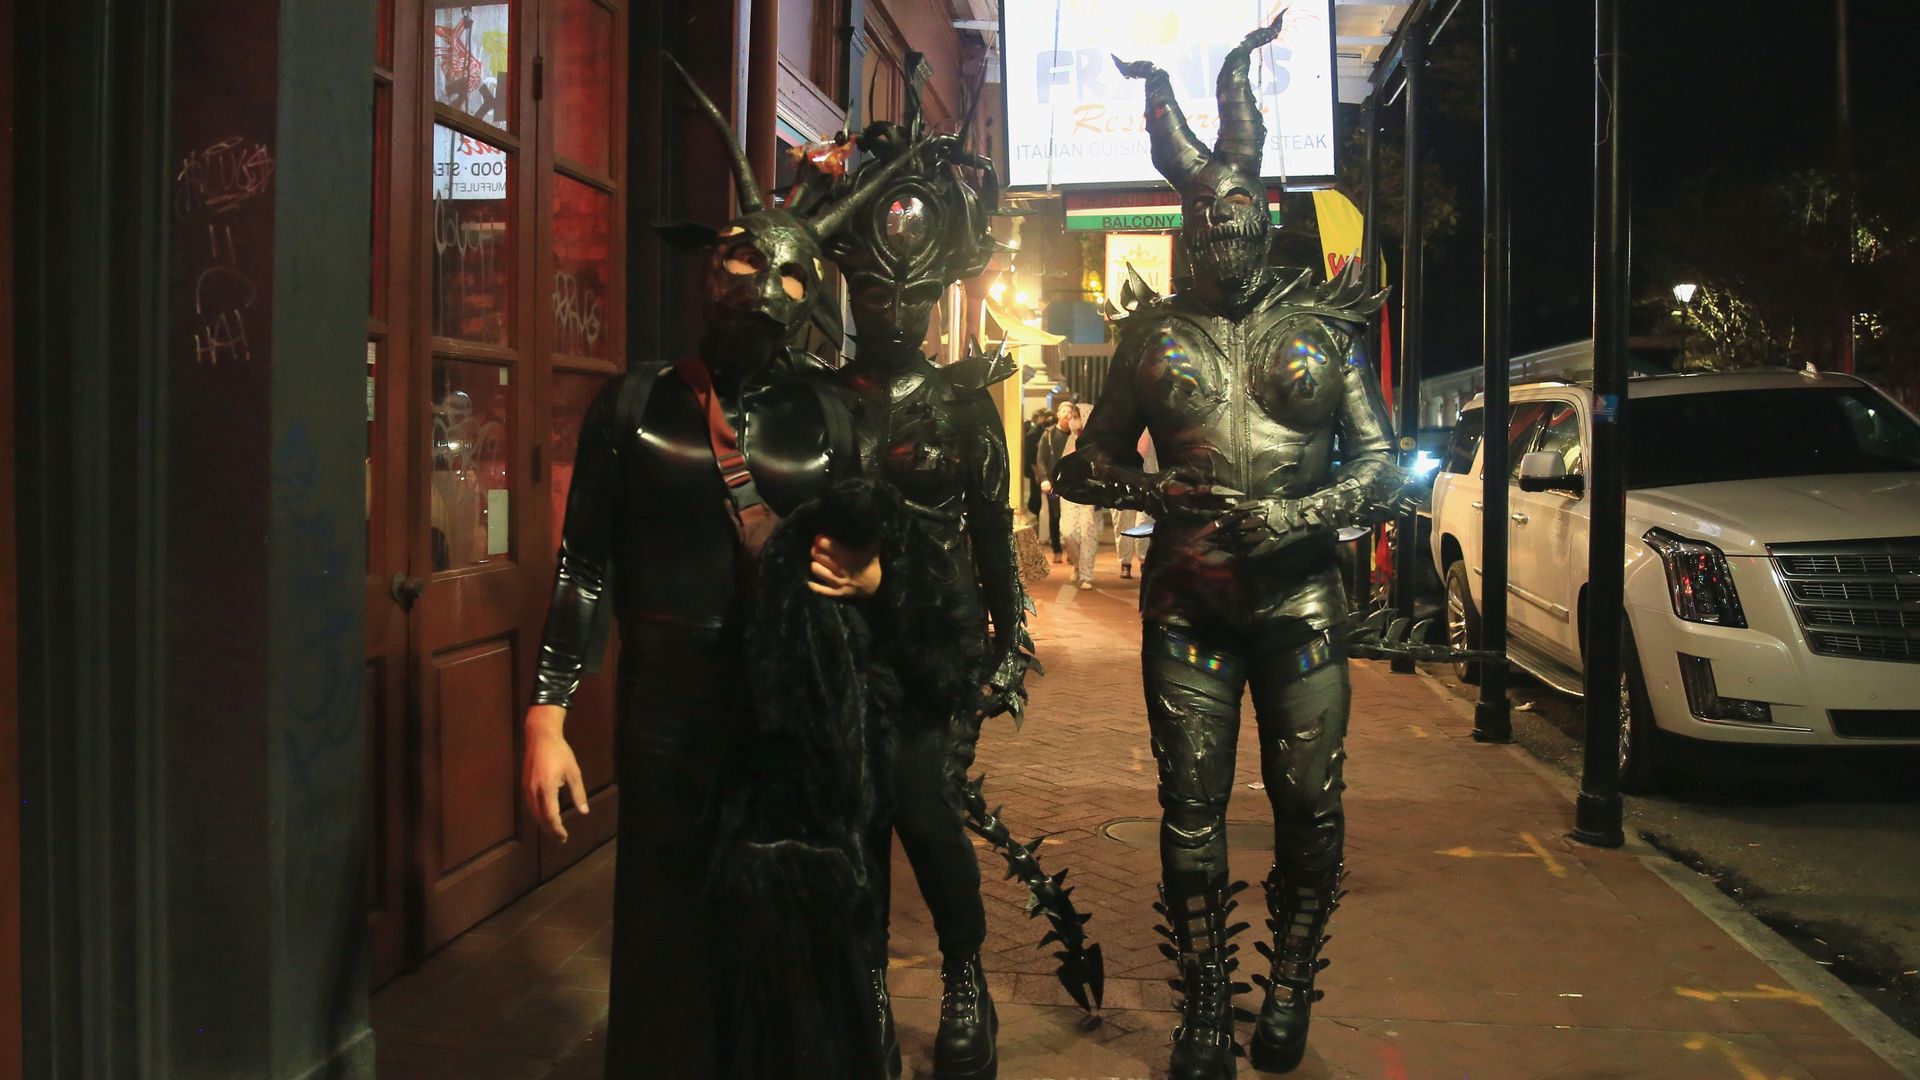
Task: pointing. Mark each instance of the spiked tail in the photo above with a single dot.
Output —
(1082, 968)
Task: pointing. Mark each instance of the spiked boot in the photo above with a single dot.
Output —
(889, 1036)
(1196, 931)
(963, 1048)
(1298, 911)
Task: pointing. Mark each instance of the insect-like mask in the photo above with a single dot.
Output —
(764, 273)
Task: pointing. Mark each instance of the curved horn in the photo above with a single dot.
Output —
(836, 216)
(750, 200)
(1176, 153)
(1243, 133)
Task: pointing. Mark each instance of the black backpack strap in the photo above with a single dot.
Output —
(635, 387)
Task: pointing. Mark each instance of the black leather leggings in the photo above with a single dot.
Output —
(933, 833)
(1300, 699)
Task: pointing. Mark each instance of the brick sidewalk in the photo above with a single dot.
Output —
(1476, 941)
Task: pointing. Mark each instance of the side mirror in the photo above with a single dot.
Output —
(1544, 470)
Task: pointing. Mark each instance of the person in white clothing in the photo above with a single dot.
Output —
(1079, 522)
(1131, 547)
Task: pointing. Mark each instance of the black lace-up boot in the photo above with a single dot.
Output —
(1197, 933)
(1299, 908)
(963, 1049)
(889, 1037)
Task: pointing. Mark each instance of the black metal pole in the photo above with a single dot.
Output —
(1843, 128)
(1597, 813)
(1492, 722)
(1370, 268)
(1406, 548)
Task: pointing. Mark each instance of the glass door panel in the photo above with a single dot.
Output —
(469, 483)
(582, 268)
(571, 394)
(581, 76)
(473, 238)
(473, 62)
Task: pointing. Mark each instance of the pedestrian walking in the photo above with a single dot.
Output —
(1130, 548)
(1048, 450)
(1036, 426)
(1079, 522)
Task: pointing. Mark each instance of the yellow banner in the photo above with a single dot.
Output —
(1342, 230)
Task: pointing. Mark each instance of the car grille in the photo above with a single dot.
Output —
(1876, 723)
(1856, 598)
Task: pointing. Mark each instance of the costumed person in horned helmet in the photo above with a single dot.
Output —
(684, 470)
(933, 435)
(1252, 384)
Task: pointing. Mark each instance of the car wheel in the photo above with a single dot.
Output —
(1641, 746)
(1463, 622)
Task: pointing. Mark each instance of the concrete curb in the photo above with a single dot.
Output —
(1894, 1044)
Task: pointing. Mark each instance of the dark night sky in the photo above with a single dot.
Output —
(1714, 84)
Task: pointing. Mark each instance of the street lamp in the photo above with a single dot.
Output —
(1683, 293)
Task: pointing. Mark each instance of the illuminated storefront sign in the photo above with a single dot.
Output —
(1073, 120)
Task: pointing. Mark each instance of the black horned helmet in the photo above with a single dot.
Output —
(766, 264)
(928, 229)
(1224, 216)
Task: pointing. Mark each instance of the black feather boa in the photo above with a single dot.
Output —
(830, 681)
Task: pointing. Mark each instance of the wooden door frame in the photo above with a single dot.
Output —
(12, 1062)
(394, 811)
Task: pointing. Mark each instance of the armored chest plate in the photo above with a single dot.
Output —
(1294, 372)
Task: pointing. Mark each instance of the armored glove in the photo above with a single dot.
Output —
(1260, 526)
(1182, 493)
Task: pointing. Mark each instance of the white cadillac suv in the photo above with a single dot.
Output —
(1773, 557)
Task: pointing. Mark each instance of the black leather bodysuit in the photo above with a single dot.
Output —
(649, 529)
(934, 436)
(1282, 408)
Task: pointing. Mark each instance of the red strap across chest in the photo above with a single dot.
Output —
(720, 433)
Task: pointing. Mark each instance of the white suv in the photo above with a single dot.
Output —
(1773, 557)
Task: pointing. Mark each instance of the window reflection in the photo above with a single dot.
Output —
(471, 509)
(582, 266)
(472, 60)
(472, 244)
(572, 393)
(581, 75)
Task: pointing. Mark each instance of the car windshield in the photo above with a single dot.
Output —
(1755, 434)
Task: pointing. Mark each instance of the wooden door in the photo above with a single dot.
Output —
(475, 523)
(496, 313)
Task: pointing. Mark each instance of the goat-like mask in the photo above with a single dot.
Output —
(1224, 218)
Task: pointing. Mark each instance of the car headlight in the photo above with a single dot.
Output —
(1698, 579)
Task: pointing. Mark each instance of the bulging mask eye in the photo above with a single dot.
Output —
(745, 259)
(793, 280)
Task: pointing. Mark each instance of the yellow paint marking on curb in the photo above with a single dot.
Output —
(1418, 731)
(1470, 853)
(1747, 1069)
(1553, 864)
(1539, 852)
(1760, 992)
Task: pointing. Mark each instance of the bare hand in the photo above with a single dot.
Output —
(843, 570)
(549, 766)
(1046, 486)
